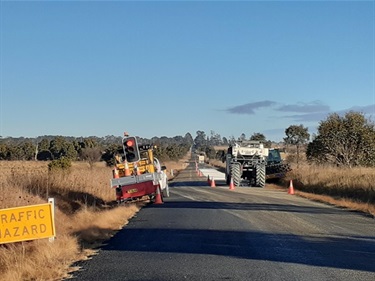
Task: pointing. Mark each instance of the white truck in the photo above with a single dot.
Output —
(246, 162)
(200, 158)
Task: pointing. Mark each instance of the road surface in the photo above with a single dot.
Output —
(213, 233)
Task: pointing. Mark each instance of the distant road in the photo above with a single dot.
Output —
(206, 233)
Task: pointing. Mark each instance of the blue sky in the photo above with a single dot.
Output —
(82, 68)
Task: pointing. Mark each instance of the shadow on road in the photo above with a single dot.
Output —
(246, 207)
(335, 252)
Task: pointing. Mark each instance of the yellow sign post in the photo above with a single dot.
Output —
(27, 223)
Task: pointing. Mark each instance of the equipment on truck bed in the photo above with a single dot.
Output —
(137, 173)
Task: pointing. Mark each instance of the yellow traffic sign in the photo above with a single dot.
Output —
(27, 223)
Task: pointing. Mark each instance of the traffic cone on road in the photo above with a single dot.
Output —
(115, 173)
(158, 197)
(291, 188)
(231, 185)
(200, 173)
(213, 183)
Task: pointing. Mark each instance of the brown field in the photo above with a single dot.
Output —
(350, 188)
(85, 215)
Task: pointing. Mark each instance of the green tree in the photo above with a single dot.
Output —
(109, 153)
(210, 152)
(28, 150)
(262, 138)
(297, 135)
(60, 147)
(188, 139)
(70, 152)
(43, 145)
(57, 147)
(242, 137)
(215, 139)
(200, 139)
(89, 143)
(3, 151)
(15, 152)
(347, 140)
(258, 137)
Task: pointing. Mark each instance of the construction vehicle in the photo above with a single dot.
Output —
(138, 174)
(250, 163)
(200, 158)
(276, 168)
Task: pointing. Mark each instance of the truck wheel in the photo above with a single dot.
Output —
(260, 175)
(236, 173)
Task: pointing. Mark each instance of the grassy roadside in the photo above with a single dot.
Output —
(85, 216)
(349, 188)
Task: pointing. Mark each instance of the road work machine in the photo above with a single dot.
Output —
(138, 174)
(250, 163)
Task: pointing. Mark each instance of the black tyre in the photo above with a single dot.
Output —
(260, 175)
(227, 179)
(236, 173)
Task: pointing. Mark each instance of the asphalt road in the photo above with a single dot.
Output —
(213, 233)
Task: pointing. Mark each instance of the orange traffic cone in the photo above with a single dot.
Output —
(158, 197)
(231, 185)
(200, 173)
(127, 170)
(115, 173)
(291, 188)
(213, 183)
(137, 171)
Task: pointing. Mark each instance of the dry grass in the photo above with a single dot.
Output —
(340, 202)
(350, 188)
(39, 259)
(344, 187)
(86, 215)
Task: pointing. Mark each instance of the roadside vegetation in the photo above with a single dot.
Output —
(86, 215)
(339, 163)
(346, 187)
(336, 167)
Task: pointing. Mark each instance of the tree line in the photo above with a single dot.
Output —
(347, 140)
(89, 149)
